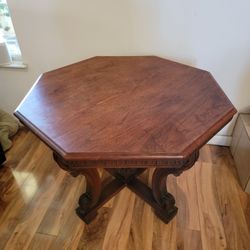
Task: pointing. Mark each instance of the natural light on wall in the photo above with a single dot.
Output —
(10, 53)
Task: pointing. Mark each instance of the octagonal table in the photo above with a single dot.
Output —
(125, 114)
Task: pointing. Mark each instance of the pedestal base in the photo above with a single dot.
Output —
(98, 193)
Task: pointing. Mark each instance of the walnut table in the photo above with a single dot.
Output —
(125, 114)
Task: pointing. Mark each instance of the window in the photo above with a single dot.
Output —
(7, 34)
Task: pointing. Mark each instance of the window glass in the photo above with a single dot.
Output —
(7, 32)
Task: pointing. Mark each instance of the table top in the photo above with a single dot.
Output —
(142, 107)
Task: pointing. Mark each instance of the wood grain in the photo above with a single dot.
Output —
(57, 213)
(41, 241)
(117, 233)
(93, 236)
(135, 107)
(32, 217)
(187, 196)
(143, 217)
(211, 227)
(230, 206)
(165, 237)
(213, 209)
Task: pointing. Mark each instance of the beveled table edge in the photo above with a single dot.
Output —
(97, 156)
(199, 142)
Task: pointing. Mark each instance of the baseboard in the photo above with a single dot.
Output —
(221, 140)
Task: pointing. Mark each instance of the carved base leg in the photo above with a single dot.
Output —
(90, 198)
(163, 198)
(88, 212)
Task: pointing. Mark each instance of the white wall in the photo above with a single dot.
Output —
(213, 35)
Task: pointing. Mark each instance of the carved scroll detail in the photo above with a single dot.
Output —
(159, 187)
(93, 188)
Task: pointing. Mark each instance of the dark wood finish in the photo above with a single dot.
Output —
(159, 189)
(125, 114)
(125, 108)
(89, 199)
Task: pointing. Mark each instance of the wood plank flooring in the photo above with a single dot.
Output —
(37, 202)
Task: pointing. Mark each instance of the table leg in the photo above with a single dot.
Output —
(163, 198)
(90, 198)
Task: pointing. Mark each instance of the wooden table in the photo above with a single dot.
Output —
(125, 114)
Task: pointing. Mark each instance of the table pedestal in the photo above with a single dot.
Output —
(98, 193)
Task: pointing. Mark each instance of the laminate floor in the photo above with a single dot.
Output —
(37, 202)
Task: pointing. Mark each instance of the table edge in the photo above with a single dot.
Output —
(196, 145)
